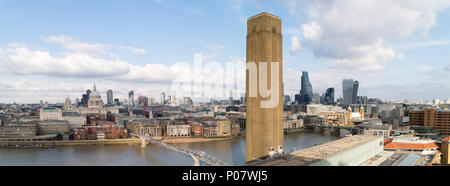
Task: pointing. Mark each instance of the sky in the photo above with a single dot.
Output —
(53, 49)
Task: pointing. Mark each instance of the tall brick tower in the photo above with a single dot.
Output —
(264, 86)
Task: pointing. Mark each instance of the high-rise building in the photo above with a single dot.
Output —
(242, 99)
(350, 91)
(109, 97)
(316, 99)
(355, 92)
(85, 98)
(306, 92)
(329, 96)
(163, 98)
(287, 100)
(230, 99)
(361, 99)
(143, 101)
(187, 101)
(131, 98)
(437, 119)
(152, 101)
(297, 98)
(264, 114)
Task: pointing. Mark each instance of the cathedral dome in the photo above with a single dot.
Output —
(95, 99)
(94, 93)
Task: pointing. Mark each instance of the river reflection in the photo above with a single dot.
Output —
(231, 151)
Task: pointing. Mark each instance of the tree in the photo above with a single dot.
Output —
(59, 137)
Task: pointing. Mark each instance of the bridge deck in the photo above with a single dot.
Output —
(198, 154)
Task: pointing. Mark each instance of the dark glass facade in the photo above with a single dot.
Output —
(306, 93)
(329, 96)
(350, 91)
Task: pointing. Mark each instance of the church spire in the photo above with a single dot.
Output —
(95, 89)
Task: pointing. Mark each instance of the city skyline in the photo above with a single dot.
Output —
(402, 58)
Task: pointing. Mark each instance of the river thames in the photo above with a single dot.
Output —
(231, 151)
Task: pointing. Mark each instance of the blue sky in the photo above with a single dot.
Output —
(51, 49)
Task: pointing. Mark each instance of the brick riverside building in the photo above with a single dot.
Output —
(197, 128)
(92, 133)
(436, 119)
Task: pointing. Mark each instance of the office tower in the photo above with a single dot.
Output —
(77, 101)
(230, 100)
(297, 98)
(143, 101)
(85, 98)
(316, 99)
(131, 97)
(109, 97)
(287, 100)
(264, 114)
(152, 101)
(355, 92)
(163, 98)
(306, 93)
(350, 91)
(242, 99)
(329, 96)
(187, 101)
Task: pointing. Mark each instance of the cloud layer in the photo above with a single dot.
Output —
(357, 34)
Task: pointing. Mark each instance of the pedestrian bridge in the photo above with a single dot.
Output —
(196, 155)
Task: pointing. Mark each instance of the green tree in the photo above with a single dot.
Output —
(59, 137)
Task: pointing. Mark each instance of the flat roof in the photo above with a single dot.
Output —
(318, 153)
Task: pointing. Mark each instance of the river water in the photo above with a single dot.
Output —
(231, 151)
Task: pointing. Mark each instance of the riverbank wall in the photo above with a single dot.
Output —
(52, 144)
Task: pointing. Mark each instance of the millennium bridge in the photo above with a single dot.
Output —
(196, 155)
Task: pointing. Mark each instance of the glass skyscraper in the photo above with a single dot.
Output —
(306, 93)
(329, 96)
(109, 97)
(350, 91)
(355, 92)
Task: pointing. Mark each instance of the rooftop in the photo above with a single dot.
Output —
(264, 14)
(315, 154)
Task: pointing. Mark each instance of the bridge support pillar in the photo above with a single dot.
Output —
(197, 162)
(143, 144)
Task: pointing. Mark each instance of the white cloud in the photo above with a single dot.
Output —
(213, 47)
(357, 34)
(133, 50)
(84, 68)
(77, 46)
(422, 44)
(24, 61)
(296, 45)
